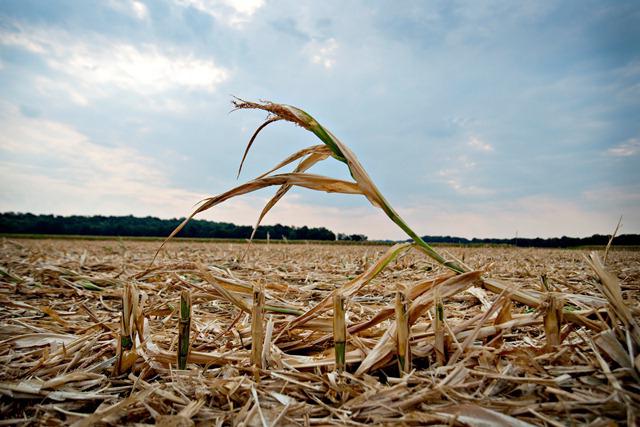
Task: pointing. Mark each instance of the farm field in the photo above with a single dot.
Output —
(527, 337)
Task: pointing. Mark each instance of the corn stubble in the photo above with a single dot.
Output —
(354, 335)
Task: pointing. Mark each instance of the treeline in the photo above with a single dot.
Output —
(98, 225)
(554, 242)
(26, 223)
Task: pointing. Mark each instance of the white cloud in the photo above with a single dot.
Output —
(628, 148)
(140, 10)
(96, 66)
(146, 70)
(19, 39)
(322, 53)
(532, 216)
(468, 190)
(64, 90)
(476, 143)
(627, 195)
(234, 13)
(135, 8)
(456, 178)
(49, 166)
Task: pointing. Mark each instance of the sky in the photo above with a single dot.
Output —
(474, 118)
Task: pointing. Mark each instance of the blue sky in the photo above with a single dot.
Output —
(474, 118)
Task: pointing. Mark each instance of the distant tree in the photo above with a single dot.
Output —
(352, 237)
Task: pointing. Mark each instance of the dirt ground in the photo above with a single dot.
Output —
(527, 336)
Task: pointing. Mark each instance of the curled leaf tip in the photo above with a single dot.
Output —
(253, 138)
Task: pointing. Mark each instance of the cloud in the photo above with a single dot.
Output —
(97, 65)
(476, 143)
(21, 40)
(468, 190)
(628, 148)
(234, 13)
(322, 53)
(532, 216)
(617, 196)
(456, 178)
(134, 8)
(140, 10)
(48, 166)
(63, 90)
(455, 182)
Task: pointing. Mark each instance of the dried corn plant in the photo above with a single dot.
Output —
(333, 147)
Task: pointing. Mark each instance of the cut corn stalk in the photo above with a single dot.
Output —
(504, 316)
(266, 345)
(131, 325)
(403, 331)
(354, 285)
(438, 327)
(257, 327)
(339, 331)
(385, 347)
(552, 317)
(184, 326)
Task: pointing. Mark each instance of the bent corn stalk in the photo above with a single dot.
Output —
(363, 184)
(342, 153)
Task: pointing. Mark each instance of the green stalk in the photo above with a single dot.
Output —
(283, 310)
(317, 129)
(184, 326)
(439, 331)
(342, 153)
(126, 342)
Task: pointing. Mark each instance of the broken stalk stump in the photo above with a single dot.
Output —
(402, 327)
(184, 326)
(339, 331)
(438, 327)
(257, 332)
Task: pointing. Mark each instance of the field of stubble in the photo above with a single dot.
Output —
(505, 350)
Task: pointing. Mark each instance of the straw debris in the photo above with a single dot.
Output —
(61, 372)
